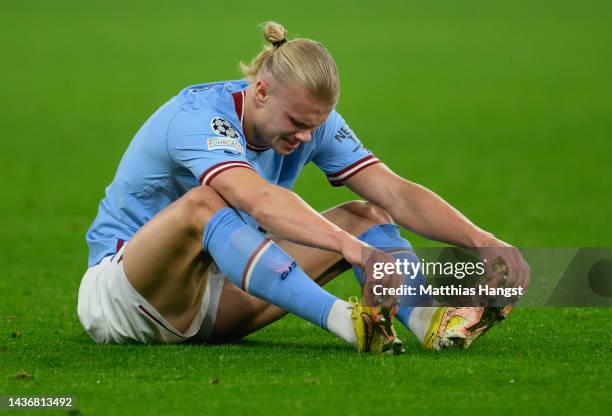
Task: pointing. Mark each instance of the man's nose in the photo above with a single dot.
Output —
(303, 135)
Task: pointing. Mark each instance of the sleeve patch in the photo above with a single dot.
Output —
(223, 127)
(345, 133)
(225, 143)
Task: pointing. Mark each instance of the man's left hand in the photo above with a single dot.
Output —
(506, 263)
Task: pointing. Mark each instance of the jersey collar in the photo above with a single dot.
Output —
(239, 100)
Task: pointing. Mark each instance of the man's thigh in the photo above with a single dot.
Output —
(164, 260)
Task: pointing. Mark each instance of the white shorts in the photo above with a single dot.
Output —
(112, 311)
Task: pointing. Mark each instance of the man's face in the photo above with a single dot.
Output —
(286, 116)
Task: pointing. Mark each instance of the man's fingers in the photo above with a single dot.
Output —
(513, 269)
(387, 281)
(520, 268)
(488, 264)
(525, 271)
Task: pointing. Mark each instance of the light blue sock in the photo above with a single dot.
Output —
(387, 237)
(260, 267)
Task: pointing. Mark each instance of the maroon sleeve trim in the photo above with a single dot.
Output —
(337, 179)
(210, 173)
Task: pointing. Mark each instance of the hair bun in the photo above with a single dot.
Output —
(274, 33)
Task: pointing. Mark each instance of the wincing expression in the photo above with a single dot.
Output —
(286, 117)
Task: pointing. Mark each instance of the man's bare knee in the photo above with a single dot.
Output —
(200, 204)
(356, 217)
(367, 211)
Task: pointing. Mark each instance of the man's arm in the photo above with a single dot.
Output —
(416, 208)
(420, 210)
(284, 213)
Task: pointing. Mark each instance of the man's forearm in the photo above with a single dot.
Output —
(423, 212)
(285, 214)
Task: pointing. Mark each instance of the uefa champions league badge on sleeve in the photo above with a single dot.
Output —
(224, 143)
(227, 139)
(223, 128)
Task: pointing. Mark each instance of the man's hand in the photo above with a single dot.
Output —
(504, 265)
(364, 256)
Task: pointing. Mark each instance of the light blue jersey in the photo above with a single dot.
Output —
(191, 139)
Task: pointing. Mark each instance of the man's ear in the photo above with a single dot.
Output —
(262, 91)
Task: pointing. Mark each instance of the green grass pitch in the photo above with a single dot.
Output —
(503, 108)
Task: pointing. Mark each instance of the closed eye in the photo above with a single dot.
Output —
(299, 124)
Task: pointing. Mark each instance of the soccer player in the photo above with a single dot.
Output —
(199, 236)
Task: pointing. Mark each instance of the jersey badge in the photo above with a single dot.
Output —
(223, 128)
(225, 143)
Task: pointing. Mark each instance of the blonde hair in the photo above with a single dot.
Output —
(302, 61)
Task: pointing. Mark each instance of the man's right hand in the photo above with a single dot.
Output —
(364, 256)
